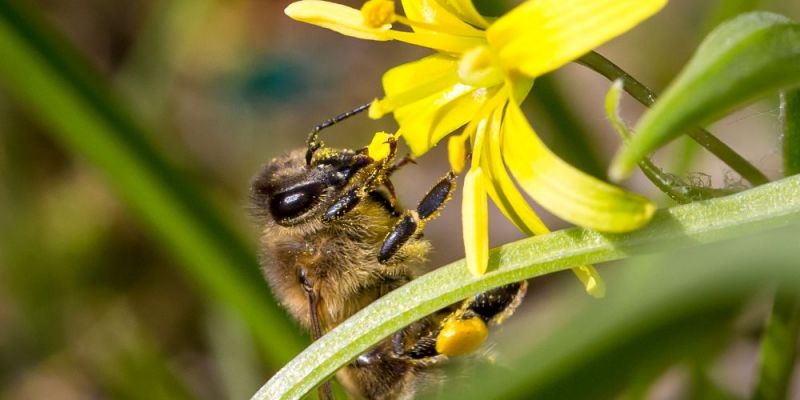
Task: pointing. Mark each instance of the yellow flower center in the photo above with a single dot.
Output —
(378, 13)
(477, 67)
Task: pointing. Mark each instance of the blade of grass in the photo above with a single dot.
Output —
(779, 340)
(768, 206)
(681, 307)
(68, 97)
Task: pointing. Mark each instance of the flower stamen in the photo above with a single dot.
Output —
(378, 13)
(477, 67)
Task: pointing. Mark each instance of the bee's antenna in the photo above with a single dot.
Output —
(313, 143)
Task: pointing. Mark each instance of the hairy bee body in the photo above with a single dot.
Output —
(340, 261)
(334, 240)
(339, 258)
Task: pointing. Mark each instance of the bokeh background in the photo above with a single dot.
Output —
(95, 304)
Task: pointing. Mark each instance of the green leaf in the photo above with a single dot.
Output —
(751, 56)
(679, 309)
(68, 97)
(768, 206)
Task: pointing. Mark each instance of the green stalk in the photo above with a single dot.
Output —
(673, 186)
(779, 340)
(644, 95)
(790, 121)
(768, 206)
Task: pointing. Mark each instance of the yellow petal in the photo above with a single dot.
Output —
(512, 204)
(457, 153)
(475, 220)
(520, 86)
(542, 35)
(591, 280)
(402, 88)
(432, 13)
(336, 17)
(564, 190)
(501, 188)
(438, 41)
(465, 10)
(426, 122)
(422, 72)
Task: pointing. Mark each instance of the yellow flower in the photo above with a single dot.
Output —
(480, 73)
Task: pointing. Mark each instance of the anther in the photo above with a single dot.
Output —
(377, 13)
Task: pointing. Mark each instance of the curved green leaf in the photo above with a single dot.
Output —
(750, 56)
(771, 205)
(667, 310)
(67, 96)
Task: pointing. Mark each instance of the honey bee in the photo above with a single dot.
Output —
(334, 240)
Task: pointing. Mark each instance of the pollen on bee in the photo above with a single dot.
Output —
(379, 147)
(461, 336)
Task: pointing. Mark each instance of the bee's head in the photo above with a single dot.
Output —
(291, 192)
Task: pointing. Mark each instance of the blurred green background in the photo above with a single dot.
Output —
(127, 250)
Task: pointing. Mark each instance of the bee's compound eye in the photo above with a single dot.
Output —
(295, 201)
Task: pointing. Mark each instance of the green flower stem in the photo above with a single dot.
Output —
(671, 185)
(644, 95)
(790, 119)
(779, 341)
(768, 206)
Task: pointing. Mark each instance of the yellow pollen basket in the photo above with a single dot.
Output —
(461, 336)
(378, 13)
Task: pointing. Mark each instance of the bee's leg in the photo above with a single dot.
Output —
(374, 179)
(465, 330)
(347, 202)
(313, 143)
(408, 159)
(412, 221)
